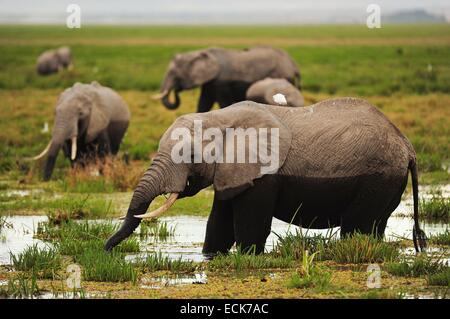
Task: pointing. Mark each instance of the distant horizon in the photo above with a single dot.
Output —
(210, 12)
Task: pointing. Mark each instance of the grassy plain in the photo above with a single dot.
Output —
(403, 70)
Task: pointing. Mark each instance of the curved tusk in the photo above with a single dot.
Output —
(45, 151)
(73, 153)
(159, 96)
(169, 202)
(122, 217)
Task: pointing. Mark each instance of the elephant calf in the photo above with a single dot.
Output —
(340, 162)
(52, 61)
(263, 92)
(90, 122)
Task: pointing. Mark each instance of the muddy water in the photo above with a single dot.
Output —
(190, 231)
(188, 239)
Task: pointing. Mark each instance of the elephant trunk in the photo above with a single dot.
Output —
(150, 186)
(51, 159)
(166, 101)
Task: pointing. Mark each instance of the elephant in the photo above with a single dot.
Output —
(52, 61)
(341, 162)
(263, 92)
(90, 122)
(224, 75)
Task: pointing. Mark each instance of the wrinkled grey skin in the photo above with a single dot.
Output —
(52, 61)
(96, 115)
(264, 90)
(224, 75)
(342, 163)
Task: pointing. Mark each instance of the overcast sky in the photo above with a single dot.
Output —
(209, 11)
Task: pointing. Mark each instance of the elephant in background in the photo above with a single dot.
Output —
(224, 75)
(90, 122)
(52, 61)
(341, 162)
(263, 92)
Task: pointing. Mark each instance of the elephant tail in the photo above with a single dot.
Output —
(419, 237)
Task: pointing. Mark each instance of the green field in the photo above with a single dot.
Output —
(403, 70)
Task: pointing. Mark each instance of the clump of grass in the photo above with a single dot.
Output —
(99, 265)
(441, 278)
(360, 248)
(79, 208)
(309, 275)
(73, 237)
(156, 228)
(157, 261)
(419, 266)
(106, 176)
(4, 224)
(441, 238)
(293, 245)
(246, 261)
(45, 262)
(435, 208)
(21, 286)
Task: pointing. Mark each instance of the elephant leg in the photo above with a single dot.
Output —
(116, 131)
(220, 229)
(370, 209)
(207, 98)
(104, 148)
(253, 212)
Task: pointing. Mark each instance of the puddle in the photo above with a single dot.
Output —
(164, 281)
(16, 238)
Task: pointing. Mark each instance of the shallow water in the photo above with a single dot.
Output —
(189, 235)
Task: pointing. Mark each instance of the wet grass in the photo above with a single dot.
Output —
(420, 265)
(99, 265)
(247, 261)
(435, 208)
(21, 286)
(157, 261)
(355, 249)
(309, 275)
(441, 278)
(156, 228)
(441, 238)
(43, 262)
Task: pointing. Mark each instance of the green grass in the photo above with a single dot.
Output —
(440, 279)
(246, 261)
(441, 238)
(99, 265)
(360, 248)
(21, 286)
(435, 208)
(420, 266)
(156, 228)
(157, 261)
(44, 262)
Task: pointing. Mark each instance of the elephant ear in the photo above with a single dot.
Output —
(98, 120)
(203, 68)
(232, 178)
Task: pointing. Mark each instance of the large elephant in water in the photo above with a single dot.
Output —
(224, 75)
(90, 122)
(52, 61)
(339, 162)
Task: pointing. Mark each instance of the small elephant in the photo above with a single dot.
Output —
(341, 162)
(90, 122)
(264, 91)
(52, 61)
(224, 75)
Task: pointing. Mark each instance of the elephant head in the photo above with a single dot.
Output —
(77, 118)
(168, 175)
(186, 71)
